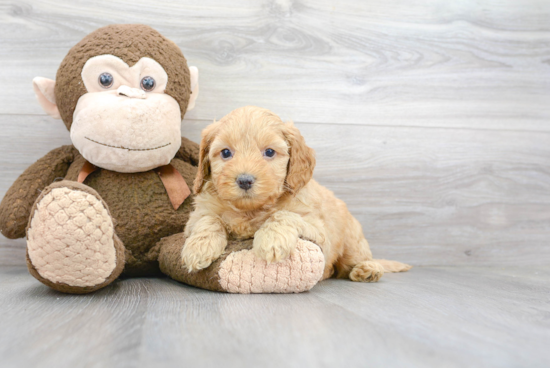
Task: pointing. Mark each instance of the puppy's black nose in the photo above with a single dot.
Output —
(245, 181)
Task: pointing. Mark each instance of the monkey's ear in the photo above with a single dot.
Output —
(194, 87)
(44, 90)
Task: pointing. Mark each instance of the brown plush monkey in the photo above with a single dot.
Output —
(123, 198)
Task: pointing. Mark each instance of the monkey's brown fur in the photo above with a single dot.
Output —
(130, 42)
(137, 203)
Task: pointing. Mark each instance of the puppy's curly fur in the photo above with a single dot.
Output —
(278, 203)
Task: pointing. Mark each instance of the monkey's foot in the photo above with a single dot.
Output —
(71, 243)
(244, 273)
(238, 270)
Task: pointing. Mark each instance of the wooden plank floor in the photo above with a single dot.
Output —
(430, 119)
(430, 317)
(430, 63)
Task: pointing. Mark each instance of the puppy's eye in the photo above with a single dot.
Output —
(226, 154)
(105, 80)
(269, 152)
(147, 84)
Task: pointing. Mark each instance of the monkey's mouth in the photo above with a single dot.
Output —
(127, 148)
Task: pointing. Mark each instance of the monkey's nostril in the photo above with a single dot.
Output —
(245, 181)
(131, 92)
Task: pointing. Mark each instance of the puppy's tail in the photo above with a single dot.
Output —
(393, 266)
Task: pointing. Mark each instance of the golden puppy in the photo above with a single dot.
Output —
(254, 180)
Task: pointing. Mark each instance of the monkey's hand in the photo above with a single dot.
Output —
(16, 206)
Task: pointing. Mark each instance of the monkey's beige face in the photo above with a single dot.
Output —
(126, 122)
(248, 162)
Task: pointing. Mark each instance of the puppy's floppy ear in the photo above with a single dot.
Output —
(301, 162)
(203, 172)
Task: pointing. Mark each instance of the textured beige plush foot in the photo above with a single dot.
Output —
(367, 271)
(238, 270)
(71, 239)
(243, 272)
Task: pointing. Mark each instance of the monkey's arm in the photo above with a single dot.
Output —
(16, 206)
(189, 151)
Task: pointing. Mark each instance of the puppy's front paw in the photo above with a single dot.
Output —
(274, 246)
(200, 251)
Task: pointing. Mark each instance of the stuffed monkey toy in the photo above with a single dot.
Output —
(116, 201)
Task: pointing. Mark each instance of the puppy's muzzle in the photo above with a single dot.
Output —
(245, 181)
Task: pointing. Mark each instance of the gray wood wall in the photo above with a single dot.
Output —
(430, 118)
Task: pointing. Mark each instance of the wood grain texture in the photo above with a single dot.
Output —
(482, 65)
(424, 196)
(429, 118)
(429, 317)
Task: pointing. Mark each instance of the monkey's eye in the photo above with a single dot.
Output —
(105, 80)
(269, 152)
(147, 84)
(226, 154)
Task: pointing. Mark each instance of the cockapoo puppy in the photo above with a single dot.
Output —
(255, 181)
